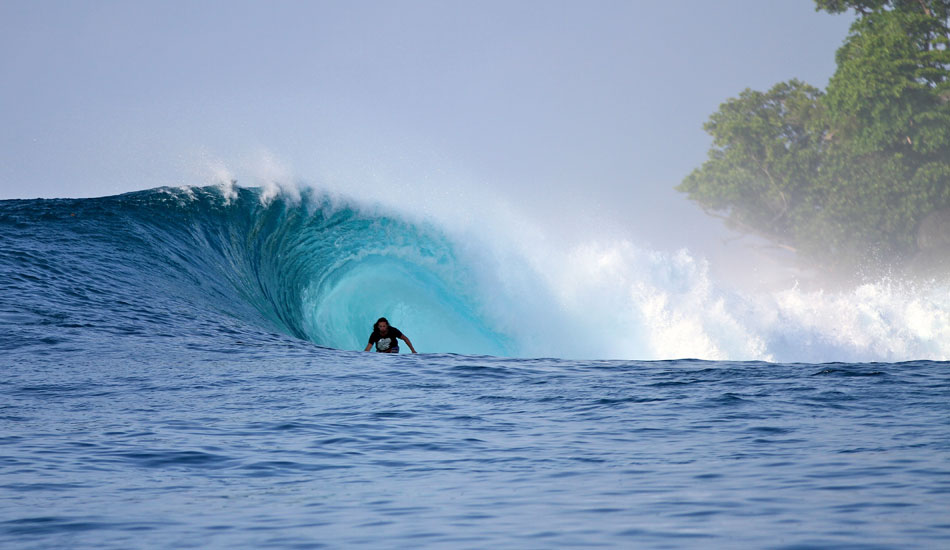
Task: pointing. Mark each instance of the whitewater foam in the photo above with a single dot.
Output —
(626, 302)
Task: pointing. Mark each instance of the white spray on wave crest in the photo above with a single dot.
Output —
(649, 305)
(612, 299)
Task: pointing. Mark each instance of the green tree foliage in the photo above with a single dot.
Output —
(935, 8)
(846, 174)
(888, 103)
(891, 88)
(765, 156)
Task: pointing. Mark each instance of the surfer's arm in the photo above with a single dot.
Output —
(408, 343)
(370, 345)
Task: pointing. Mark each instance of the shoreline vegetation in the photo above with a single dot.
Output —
(854, 178)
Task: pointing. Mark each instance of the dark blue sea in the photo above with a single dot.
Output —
(181, 369)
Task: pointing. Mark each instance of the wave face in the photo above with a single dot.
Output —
(217, 265)
(205, 261)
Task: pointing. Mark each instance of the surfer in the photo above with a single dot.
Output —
(384, 336)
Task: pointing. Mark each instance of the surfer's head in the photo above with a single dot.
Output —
(382, 325)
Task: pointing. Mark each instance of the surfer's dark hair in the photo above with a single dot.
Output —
(378, 321)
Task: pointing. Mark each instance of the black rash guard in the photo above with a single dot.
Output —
(386, 343)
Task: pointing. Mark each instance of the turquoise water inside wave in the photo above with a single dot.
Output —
(179, 372)
(178, 260)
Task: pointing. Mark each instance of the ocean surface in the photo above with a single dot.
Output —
(180, 369)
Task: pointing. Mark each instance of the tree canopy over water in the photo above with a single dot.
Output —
(847, 174)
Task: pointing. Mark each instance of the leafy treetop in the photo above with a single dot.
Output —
(845, 174)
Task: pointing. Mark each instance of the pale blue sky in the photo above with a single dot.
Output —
(573, 110)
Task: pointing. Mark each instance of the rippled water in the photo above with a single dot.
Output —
(168, 382)
(290, 446)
